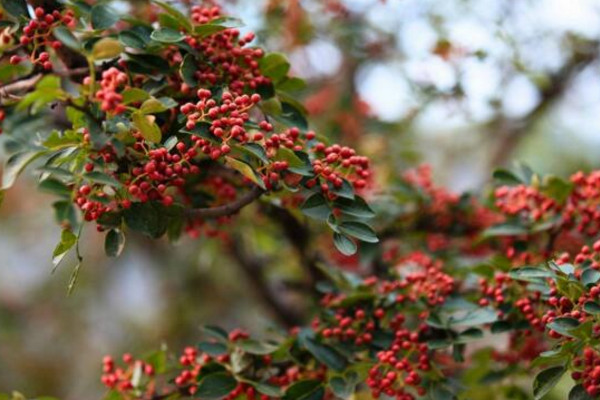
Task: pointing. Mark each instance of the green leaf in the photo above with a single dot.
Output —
(256, 150)
(67, 241)
(101, 177)
(16, 8)
(546, 380)
(132, 39)
(316, 207)
(344, 244)
(591, 307)
(64, 35)
(590, 277)
(579, 393)
(274, 66)
(167, 35)
(244, 169)
(325, 354)
(292, 115)
(357, 207)
(506, 177)
(215, 386)
(256, 347)
(359, 230)
(208, 29)
(531, 274)
(114, 243)
(268, 389)
(148, 218)
(16, 164)
(212, 348)
(56, 187)
(505, 229)
(342, 387)
(188, 69)
(179, 17)
(311, 389)
(103, 17)
(152, 106)
(563, 325)
(480, 316)
(106, 48)
(134, 95)
(73, 278)
(216, 332)
(147, 127)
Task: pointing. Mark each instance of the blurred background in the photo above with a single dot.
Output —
(463, 85)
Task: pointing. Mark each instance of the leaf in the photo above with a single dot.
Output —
(103, 16)
(563, 325)
(134, 95)
(187, 70)
(578, 392)
(16, 8)
(256, 347)
(216, 386)
(344, 244)
(64, 35)
(16, 164)
(167, 35)
(148, 218)
(531, 274)
(546, 380)
(179, 17)
(480, 316)
(152, 106)
(106, 48)
(506, 177)
(114, 242)
(147, 127)
(316, 207)
(67, 241)
(274, 66)
(506, 229)
(132, 39)
(101, 177)
(216, 332)
(256, 150)
(208, 29)
(73, 278)
(212, 348)
(342, 387)
(245, 170)
(325, 354)
(359, 230)
(268, 389)
(54, 186)
(292, 115)
(311, 389)
(590, 277)
(357, 207)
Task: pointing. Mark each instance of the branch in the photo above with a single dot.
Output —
(253, 269)
(227, 209)
(9, 91)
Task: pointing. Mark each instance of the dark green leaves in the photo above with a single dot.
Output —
(183, 21)
(578, 392)
(114, 242)
(359, 230)
(305, 390)
(215, 386)
(188, 70)
(167, 35)
(147, 218)
(344, 244)
(316, 207)
(103, 17)
(564, 325)
(16, 164)
(325, 353)
(546, 380)
(64, 35)
(16, 8)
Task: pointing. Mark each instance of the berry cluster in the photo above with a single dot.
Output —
(111, 101)
(120, 378)
(37, 35)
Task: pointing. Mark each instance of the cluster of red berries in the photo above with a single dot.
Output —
(339, 163)
(120, 378)
(525, 201)
(229, 62)
(398, 367)
(583, 208)
(588, 371)
(38, 34)
(112, 80)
